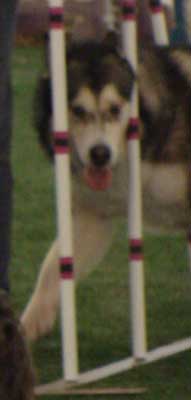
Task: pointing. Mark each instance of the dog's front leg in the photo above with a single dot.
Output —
(40, 313)
(92, 237)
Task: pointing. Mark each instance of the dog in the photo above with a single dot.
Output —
(100, 86)
(16, 371)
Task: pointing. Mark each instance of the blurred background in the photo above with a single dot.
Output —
(86, 18)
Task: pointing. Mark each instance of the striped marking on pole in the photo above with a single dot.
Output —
(133, 129)
(128, 10)
(56, 17)
(61, 142)
(136, 249)
(67, 268)
(156, 6)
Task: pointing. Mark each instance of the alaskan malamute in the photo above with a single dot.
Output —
(100, 84)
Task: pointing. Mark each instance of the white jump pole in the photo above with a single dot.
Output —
(63, 189)
(159, 25)
(137, 291)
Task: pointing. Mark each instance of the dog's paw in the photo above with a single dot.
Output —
(38, 318)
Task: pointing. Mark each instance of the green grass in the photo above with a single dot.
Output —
(103, 309)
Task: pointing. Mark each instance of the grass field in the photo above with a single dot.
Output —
(103, 316)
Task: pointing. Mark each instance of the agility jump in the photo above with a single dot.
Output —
(71, 375)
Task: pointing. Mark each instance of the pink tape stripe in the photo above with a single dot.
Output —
(136, 242)
(61, 142)
(136, 250)
(56, 11)
(133, 129)
(67, 275)
(66, 260)
(56, 17)
(66, 268)
(61, 135)
(128, 10)
(156, 6)
(157, 10)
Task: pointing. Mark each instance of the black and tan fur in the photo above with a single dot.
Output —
(100, 85)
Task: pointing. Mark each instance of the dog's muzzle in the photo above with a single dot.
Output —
(98, 174)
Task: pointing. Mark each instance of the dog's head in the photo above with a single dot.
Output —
(100, 87)
(100, 84)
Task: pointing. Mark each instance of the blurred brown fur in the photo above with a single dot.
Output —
(16, 373)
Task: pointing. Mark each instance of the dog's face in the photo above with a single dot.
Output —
(98, 124)
(100, 86)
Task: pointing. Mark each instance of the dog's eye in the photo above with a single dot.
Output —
(79, 112)
(115, 110)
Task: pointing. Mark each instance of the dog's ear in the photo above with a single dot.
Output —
(112, 40)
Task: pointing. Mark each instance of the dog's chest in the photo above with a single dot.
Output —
(164, 194)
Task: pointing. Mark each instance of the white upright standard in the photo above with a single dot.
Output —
(137, 291)
(63, 189)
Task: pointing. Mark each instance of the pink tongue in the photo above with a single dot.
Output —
(98, 179)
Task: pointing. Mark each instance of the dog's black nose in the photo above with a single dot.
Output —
(100, 155)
